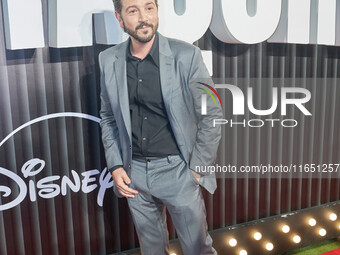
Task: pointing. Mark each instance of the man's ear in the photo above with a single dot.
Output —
(119, 18)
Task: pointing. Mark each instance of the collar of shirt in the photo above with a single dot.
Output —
(153, 54)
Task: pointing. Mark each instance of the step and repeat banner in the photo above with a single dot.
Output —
(276, 68)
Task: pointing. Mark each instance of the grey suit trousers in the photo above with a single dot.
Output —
(168, 183)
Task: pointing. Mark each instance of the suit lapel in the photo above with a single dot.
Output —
(166, 62)
(119, 67)
(168, 79)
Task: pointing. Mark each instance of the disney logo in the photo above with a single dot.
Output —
(52, 186)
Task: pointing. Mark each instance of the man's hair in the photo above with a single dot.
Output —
(118, 5)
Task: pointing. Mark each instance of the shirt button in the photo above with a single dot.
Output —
(144, 138)
(145, 117)
(140, 80)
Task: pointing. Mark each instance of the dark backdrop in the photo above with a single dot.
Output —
(38, 82)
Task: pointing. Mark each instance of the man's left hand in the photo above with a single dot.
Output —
(197, 176)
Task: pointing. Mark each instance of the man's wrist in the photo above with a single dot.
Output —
(196, 172)
(114, 168)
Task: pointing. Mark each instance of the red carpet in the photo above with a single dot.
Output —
(334, 252)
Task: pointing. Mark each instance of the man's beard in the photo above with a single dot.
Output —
(140, 39)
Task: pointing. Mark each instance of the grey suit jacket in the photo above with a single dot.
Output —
(181, 68)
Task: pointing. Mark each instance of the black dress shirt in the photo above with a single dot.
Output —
(151, 131)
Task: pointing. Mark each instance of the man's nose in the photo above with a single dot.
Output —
(143, 16)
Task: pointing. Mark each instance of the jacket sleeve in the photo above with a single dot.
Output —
(110, 133)
(208, 136)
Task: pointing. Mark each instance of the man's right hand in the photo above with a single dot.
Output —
(121, 180)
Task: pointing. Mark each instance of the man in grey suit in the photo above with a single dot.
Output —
(154, 135)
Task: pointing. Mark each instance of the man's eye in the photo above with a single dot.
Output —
(149, 8)
(132, 11)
